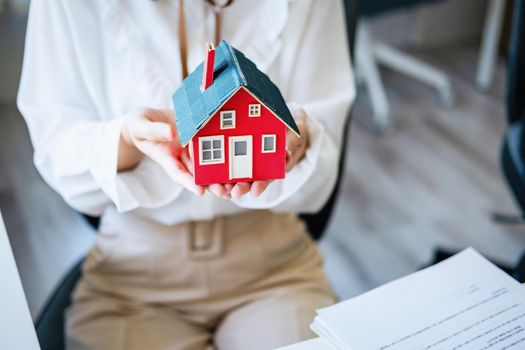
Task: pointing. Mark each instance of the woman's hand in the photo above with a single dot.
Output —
(153, 133)
(296, 146)
(295, 150)
(239, 189)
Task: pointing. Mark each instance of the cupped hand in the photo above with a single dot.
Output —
(295, 145)
(295, 150)
(239, 189)
(153, 133)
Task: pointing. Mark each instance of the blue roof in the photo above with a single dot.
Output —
(231, 70)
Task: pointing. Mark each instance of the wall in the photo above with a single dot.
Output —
(442, 24)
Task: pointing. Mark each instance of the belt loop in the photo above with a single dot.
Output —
(206, 238)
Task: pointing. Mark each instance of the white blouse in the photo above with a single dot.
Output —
(89, 62)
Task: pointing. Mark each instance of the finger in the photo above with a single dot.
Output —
(190, 151)
(158, 151)
(185, 179)
(175, 169)
(290, 153)
(166, 116)
(292, 141)
(240, 189)
(218, 190)
(160, 115)
(258, 187)
(228, 187)
(297, 111)
(187, 161)
(290, 161)
(179, 174)
(152, 131)
(291, 147)
(169, 117)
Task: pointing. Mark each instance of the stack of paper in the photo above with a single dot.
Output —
(312, 344)
(462, 303)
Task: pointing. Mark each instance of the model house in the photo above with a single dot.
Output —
(234, 119)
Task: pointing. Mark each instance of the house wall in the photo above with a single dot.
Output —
(266, 166)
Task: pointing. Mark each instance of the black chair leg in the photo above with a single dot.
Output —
(50, 325)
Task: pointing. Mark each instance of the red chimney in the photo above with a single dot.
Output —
(207, 69)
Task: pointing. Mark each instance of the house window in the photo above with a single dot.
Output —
(240, 148)
(268, 143)
(228, 120)
(254, 110)
(211, 149)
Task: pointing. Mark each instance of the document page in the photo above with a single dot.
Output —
(16, 327)
(312, 344)
(464, 302)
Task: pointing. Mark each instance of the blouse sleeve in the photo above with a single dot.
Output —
(76, 149)
(322, 83)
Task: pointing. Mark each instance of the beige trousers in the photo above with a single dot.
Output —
(245, 282)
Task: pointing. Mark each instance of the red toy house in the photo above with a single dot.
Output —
(236, 120)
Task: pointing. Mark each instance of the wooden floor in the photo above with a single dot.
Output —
(432, 181)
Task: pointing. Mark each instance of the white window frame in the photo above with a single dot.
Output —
(274, 143)
(201, 150)
(258, 105)
(233, 120)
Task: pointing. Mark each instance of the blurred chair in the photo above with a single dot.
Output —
(50, 323)
(489, 44)
(370, 52)
(512, 153)
(513, 148)
(317, 223)
(20, 7)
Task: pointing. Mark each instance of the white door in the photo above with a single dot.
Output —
(240, 157)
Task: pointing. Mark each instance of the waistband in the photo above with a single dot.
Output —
(201, 238)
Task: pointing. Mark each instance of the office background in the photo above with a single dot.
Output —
(431, 179)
